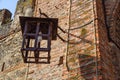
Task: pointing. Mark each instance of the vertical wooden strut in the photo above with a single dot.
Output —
(24, 43)
(27, 45)
(36, 53)
(49, 41)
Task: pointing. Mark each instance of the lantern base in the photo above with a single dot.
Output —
(36, 56)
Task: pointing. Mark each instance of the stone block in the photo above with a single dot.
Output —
(5, 16)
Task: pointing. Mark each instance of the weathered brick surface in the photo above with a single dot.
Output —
(81, 44)
(5, 16)
(108, 49)
(87, 40)
(114, 24)
(81, 48)
(10, 44)
(82, 52)
(54, 9)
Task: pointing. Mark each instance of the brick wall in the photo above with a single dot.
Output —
(75, 53)
(80, 49)
(54, 70)
(77, 42)
(114, 23)
(109, 51)
(82, 57)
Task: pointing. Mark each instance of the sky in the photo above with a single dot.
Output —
(9, 4)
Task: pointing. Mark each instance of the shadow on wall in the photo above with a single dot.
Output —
(87, 67)
(86, 70)
(82, 63)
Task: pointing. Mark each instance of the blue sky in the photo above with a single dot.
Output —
(8, 4)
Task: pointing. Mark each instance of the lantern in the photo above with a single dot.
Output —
(34, 31)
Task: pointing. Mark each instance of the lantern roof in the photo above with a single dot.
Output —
(34, 20)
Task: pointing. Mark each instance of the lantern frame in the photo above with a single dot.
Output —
(31, 27)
